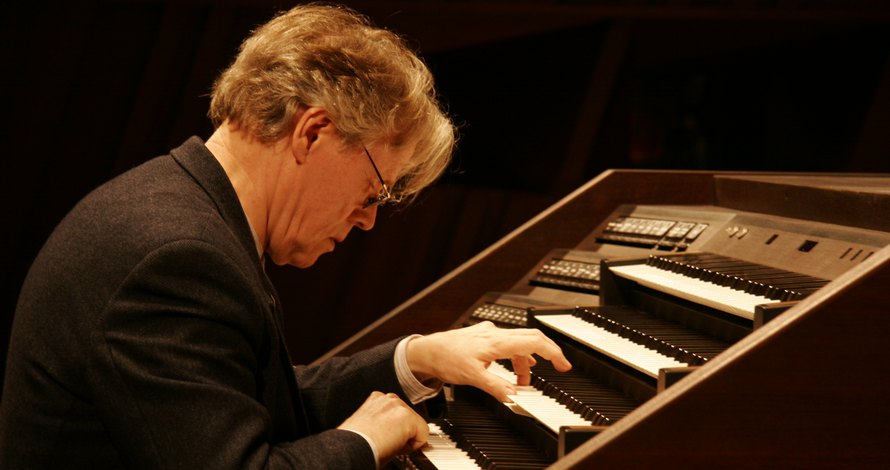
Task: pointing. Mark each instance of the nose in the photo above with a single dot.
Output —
(364, 217)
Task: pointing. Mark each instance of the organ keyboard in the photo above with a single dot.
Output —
(545, 409)
(732, 318)
(723, 298)
(443, 453)
(635, 354)
(732, 286)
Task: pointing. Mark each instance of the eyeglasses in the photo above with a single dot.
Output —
(384, 195)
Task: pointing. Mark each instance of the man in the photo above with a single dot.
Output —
(147, 334)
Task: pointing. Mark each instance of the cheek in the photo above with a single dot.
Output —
(304, 230)
(311, 233)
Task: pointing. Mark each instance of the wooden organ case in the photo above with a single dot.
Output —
(801, 379)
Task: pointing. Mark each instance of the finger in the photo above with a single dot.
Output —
(495, 386)
(531, 341)
(423, 434)
(420, 432)
(522, 369)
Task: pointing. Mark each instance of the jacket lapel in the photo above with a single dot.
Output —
(195, 159)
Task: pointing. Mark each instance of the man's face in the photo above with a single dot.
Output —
(316, 209)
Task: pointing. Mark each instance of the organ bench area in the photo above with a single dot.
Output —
(713, 319)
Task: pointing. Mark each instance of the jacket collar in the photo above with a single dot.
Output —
(194, 157)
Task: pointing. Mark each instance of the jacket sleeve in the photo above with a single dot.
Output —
(176, 360)
(333, 390)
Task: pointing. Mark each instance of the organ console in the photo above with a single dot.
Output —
(731, 319)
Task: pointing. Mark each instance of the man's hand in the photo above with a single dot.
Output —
(461, 356)
(393, 426)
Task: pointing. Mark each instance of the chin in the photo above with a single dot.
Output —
(299, 261)
(303, 262)
(301, 258)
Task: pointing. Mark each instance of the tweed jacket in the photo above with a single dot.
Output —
(147, 335)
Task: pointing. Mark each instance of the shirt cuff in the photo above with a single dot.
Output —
(413, 388)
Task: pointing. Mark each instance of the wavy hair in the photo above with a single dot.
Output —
(371, 84)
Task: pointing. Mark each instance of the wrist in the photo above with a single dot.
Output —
(418, 354)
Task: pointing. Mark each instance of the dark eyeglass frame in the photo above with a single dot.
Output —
(384, 196)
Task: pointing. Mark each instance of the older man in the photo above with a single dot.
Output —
(147, 334)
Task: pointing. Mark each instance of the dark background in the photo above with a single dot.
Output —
(548, 95)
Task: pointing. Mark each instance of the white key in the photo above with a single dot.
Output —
(722, 298)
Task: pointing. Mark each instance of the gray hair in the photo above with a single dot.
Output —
(374, 88)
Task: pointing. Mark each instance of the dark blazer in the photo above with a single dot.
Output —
(148, 335)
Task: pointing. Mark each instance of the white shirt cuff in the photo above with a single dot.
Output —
(413, 388)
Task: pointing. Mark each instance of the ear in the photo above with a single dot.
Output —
(310, 125)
